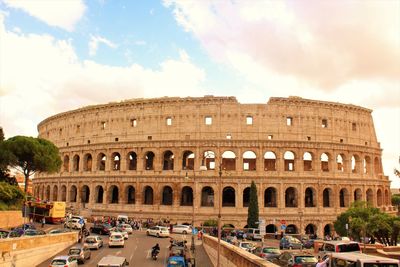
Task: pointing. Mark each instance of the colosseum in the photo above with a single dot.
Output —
(181, 158)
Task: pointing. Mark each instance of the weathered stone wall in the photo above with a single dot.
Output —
(305, 194)
(231, 255)
(9, 219)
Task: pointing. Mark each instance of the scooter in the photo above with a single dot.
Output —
(154, 254)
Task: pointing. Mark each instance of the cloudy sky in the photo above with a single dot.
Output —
(57, 55)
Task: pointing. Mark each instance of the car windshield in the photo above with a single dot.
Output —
(58, 262)
(74, 251)
(90, 240)
(305, 259)
(271, 250)
(349, 247)
(294, 240)
(246, 245)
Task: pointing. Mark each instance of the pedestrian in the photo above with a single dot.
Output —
(322, 263)
(276, 234)
(43, 221)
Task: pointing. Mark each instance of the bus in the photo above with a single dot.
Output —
(53, 212)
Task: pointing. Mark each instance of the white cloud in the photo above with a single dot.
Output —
(62, 13)
(95, 41)
(56, 80)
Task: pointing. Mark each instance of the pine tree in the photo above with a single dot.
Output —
(252, 215)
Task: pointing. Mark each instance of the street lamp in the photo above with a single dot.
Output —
(203, 167)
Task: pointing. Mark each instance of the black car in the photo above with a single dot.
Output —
(100, 229)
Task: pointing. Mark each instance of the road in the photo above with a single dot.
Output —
(136, 251)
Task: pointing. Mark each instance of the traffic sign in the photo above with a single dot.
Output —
(283, 227)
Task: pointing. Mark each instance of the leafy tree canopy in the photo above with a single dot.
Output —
(30, 155)
(11, 196)
(366, 221)
(252, 212)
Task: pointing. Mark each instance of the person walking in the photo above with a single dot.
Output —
(43, 221)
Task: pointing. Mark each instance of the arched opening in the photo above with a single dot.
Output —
(324, 162)
(344, 198)
(291, 197)
(307, 161)
(269, 161)
(187, 196)
(47, 197)
(42, 194)
(270, 197)
(357, 194)
(228, 197)
(149, 161)
(377, 166)
(63, 193)
(367, 165)
(72, 194)
(370, 197)
(148, 195)
(379, 197)
(130, 195)
(340, 163)
(85, 194)
(271, 228)
(101, 162)
(209, 160)
(311, 229)
(87, 162)
(291, 229)
(167, 196)
(66, 163)
(99, 194)
(309, 197)
(114, 194)
(328, 230)
(168, 160)
(355, 164)
(249, 161)
(327, 196)
(132, 161)
(116, 161)
(76, 163)
(188, 160)
(55, 193)
(207, 197)
(246, 197)
(289, 160)
(229, 161)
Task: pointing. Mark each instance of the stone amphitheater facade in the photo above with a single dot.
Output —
(309, 160)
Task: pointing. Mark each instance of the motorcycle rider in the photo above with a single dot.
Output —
(155, 250)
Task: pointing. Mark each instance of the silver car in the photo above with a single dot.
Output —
(65, 261)
(93, 241)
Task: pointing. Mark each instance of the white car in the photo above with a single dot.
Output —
(125, 227)
(116, 240)
(182, 229)
(73, 223)
(94, 241)
(64, 261)
(248, 246)
(158, 231)
(119, 231)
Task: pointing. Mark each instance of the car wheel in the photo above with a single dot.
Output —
(147, 233)
(158, 235)
(290, 247)
(184, 232)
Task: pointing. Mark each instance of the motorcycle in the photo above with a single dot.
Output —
(154, 254)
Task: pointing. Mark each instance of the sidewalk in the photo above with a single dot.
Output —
(202, 259)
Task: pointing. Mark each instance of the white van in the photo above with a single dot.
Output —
(254, 234)
(113, 261)
(123, 218)
(353, 259)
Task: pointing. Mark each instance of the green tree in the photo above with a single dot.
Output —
(396, 200)
(30, 155)
(366, 221)
(252, 212)
(11, 197)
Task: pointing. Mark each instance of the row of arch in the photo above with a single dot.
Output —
(113, 195)
(353, 163)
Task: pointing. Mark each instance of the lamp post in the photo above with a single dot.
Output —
(192, 246)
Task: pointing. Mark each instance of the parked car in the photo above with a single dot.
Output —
(182, 229)
(290, 242)
(16, 233)
(253, 234)
(59, 231)
(64, 261)
(112, 260)
(125, 227)
(73, 224)
(118, 230)
(32, 232)
(267, 253)
(339, 246)
(238, 233)
(248, 246)
(81, 253)
(296, 259)
(94, 241)
(309, 243)
(116, 240)
(158, 231)
(101, 229)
